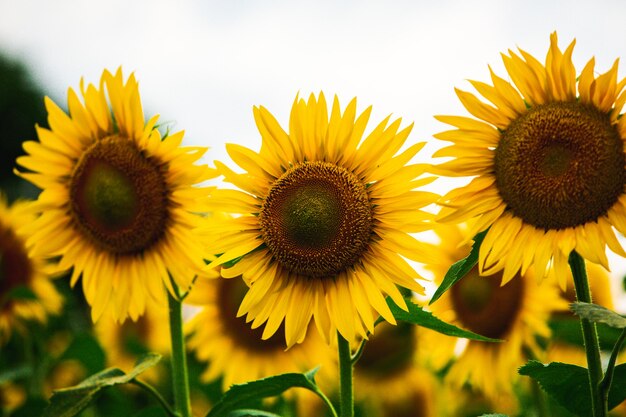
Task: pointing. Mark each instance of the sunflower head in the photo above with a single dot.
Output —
(517, 313)
(22, 271)
(547, 154)
(119, 201)
(236, 350)
(322, 220)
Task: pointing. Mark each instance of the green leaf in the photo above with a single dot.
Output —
(15, 373)
(86, 349)
(567, 384)
(567, 330)
(68, 402)
(251, 413)
(242, 394)
(416, 315)
(20, 292)
(460, 268)
(155, 411)
(598, 314)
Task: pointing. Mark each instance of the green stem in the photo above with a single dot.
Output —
(359, 352)
(345, 377)
(157, 395)
(180, 379)
(605, 385)
(328, 403)
(590, 336)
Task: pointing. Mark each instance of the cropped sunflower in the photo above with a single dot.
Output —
(516, 313)
(323, 222)
(389, 380)
(235, 351)
(21, 269)
(119, 201)
(125, 343)
(547, 157)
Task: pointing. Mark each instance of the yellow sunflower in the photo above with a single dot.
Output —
(389, 380)
(517, 313)
(547, 157)
(234, 350)
(124, 343)
(119, 201)
(323, 222)
(21, 268)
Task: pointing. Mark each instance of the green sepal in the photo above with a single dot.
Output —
(460, 268)
(69, 402)
(418, 316)
(598, 314)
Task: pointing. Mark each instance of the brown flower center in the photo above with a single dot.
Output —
(15, 265)
(560, 165)
(317, 219)
(230, 293)
(388, 351)
(119, 197)
(485, 307)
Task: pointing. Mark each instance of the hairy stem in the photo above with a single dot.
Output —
(590, 337)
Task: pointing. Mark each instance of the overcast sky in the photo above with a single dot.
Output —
(204, 64)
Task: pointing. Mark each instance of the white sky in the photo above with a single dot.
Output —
(204, 64)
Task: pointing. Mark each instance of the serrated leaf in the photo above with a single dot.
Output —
(569, 385)
(68, 402)
(241, 394)
(416, 315)
(251, 413)
(460, 268)
(598, 314)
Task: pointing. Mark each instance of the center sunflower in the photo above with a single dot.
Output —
(15, 265)
(119, 197)
(484, 306)
(317, 219)
(230, 293)
(560, 165)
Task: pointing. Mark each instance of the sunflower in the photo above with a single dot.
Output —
(517, 313)
(548, 164)
(22, 270)
(234, 350)
(323, 222)
(389, 380)
(118, 202)
(124, 343)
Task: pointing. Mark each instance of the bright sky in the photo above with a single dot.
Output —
(204, 64)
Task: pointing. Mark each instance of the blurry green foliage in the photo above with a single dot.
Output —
(21, 107)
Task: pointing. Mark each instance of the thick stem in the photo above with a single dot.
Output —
(345, 377)
(590, 336)
(180, 379)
